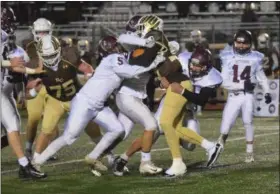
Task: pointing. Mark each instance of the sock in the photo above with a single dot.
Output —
(23, 161)
(177, 161)
(107, 139)
(35, 155)
(53, 148)
(223, 137)
(207, 144)
(124, 156)
(249, 148)
(145, 156)
(28, 145)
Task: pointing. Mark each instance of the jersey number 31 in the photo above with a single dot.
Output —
(243, 76)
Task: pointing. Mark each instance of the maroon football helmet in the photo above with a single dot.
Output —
(8, 19)
(108, 45)
(130, 26)
(200, 62)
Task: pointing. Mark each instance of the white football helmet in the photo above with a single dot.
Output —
(263, 41)
(41, 27)
(83, 46)
(49, 51)
(196, 36)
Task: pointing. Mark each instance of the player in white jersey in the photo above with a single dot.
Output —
(88, 104)
(241, 71)
(205, 78)
(13, 59)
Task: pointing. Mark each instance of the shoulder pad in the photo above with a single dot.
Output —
(257, 54)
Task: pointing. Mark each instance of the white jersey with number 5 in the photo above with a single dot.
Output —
(108, 77)
(238, 68)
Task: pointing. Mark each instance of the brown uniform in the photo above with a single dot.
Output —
(63, 83)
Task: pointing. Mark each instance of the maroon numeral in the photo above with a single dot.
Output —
(244, 75)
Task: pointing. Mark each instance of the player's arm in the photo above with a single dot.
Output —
(132, 39)
(261, 78)
(126, 70)
(198, 99)
(32, 88)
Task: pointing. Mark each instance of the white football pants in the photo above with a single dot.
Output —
(10, 115)
(236, 103)
(133, 110)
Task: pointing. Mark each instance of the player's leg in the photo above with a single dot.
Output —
(138, 112)
(4, 137)
(230, 114)
(114, 130)
(171, 110)
(247, 117)
(11, 121)
(52, 113)
(34, 110)
(77, 120)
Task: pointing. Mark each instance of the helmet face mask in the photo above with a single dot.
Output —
(263, 41)
(108, 45)
(49, 51)
(200, 63)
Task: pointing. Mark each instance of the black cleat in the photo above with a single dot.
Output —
(29, 172)
(213, 154)
(119, 166)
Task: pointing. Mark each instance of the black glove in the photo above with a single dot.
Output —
(249, 86)
(267, 97)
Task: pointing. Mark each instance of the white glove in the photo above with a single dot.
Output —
(150, 42)
(158, 60)
(174, 47)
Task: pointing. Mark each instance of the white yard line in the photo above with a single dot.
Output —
(154, 150)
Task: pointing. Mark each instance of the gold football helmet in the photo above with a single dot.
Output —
(148, 23)
(49, 50)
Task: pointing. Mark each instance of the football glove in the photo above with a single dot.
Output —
(267, 97)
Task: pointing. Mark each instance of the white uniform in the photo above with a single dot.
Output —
(235, 70)
(129, 100)
(10, 116)
(88, 104)
(211, 80)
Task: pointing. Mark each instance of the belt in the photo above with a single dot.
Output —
(238, 92)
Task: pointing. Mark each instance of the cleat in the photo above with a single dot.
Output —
(249, 158)
(149, 168)
(119, 166)
(36, 166)
(176, 171)
(213, 154)
(30, 172)
(95, 164)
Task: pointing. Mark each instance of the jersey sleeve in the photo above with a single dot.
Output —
(131, 39)
(125, 70)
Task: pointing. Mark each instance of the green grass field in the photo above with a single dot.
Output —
(69, 175)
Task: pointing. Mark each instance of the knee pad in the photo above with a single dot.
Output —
(150, 124)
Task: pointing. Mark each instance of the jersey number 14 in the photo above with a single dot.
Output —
(243, 76)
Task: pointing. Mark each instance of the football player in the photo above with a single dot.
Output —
(13, 61)
(61, 84)
(89, 102)
(241, 70)
(271, 59)
(171, 71)
(35, 106)
(204, 78)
